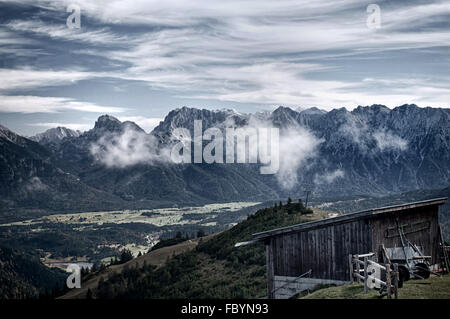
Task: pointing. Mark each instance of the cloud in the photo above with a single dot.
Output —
(35, 185)
(358, 132)
(297, 146)
(128, 148)
(100, 36)
(39, 104)
(72, 126)
(389, 141)
(147, 123)
(328, 177)
(28, 78)
(265, 52)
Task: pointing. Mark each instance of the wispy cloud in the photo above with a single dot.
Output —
(100, 36)
(127, 148)
(28, 78)
(295, 53)
(147, 123)
(72, 126)
(389, 141)
(39, 104)
(328, 177)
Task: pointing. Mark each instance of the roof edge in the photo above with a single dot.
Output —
(348, 217)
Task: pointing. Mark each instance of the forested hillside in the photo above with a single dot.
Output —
(215, 269)
(23, 276)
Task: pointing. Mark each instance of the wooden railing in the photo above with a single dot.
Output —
(364, 269)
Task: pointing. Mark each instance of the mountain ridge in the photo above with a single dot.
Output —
(369, 150)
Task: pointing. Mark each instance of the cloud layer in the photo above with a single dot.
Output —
(128, 148)
(252, 53)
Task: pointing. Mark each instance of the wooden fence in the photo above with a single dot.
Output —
(364, 268)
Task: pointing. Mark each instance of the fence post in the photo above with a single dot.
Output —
(358, 268)
(396, 281)
(365, 274)
(388, 280)
(350, 264)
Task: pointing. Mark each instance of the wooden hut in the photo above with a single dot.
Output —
(302, 256)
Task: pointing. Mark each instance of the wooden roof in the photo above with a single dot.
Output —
(347, 218)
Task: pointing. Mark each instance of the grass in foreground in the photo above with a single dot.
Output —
(432, 288)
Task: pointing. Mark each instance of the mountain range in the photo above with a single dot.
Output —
(370, 150)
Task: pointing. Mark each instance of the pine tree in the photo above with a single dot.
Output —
(89, 294)
(125, 256)
(200, 233)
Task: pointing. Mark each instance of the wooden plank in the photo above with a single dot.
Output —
(357, 235)
(333, 253)
(331, 260)
(307, 250)
(375, 263)
(303, 266)
(285, 257)
(312, 251)
(278, 247)
(320, 252)
(270, 270)
(350, 266)
(291, 262)
(344, 241)
(295, 265)
(388, 281)
(365, 274)
(396, 274)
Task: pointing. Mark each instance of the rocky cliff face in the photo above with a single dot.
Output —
(372, 149)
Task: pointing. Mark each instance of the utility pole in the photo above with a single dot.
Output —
(307, 192)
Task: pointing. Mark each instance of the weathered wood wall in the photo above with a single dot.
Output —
(420, 225)
(325, 249)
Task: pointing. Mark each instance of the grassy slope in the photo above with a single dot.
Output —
(432, 288)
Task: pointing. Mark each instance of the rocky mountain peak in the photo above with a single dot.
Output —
(108, 122)
(184, 118)
(313, 111)
(7, 134)
(55, 135)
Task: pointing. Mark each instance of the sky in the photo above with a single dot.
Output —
(139, 59)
